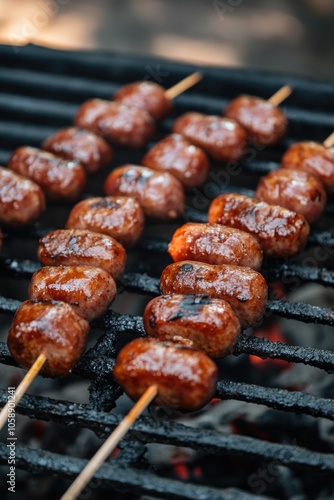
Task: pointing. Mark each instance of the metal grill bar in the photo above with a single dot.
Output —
(155, 431)
(112, 475)
(279, 399)
(96, 364)
(220, 81)
(265, 348)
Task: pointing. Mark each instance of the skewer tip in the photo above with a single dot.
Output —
(329, 141)
(183, 85)
(283, 93)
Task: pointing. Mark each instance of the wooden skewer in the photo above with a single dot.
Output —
(280, 96)
(23, 386)
(110, 444)
(183, 85)
(329, 142)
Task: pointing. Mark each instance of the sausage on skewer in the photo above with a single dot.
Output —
(243, 288)
(185, 377)
(293, 189)
(123, 125)
(83, 146)
(118, 216)
(90, 290)
(314, 158)
(160, 194)
(221, 138)
(176, 155)
(215, 244)
(59, 179)
(280, 232)
(52, 328)
(265, 123)
(152, 97)
(21, 200)
(80, 247)
(201, 321)
(145, 95)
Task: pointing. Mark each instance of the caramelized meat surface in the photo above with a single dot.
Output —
(280, 232)
(52, 328)
(186, 378)
(215, 244)
(208, 324)
(242, 287)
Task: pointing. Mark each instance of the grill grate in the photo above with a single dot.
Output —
(147, 430)
(120, 478)
(45, 92)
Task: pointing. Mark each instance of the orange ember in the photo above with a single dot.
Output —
(273, 333)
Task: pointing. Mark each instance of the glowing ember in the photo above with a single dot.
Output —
(273, 333)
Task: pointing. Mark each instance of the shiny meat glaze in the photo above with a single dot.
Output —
(21, 200)
(208, 324)
(75, 247)
(160, 194)
(215, 244)
(90, 290)
(176, 155)
(145, 95)
(52, 328)
(90, 150)
(223, 139)
(186, 378)
(243, 288)
(120, 217)
(265, 123)
(59, 179)
(126, 126)
(294, 189)
(314, 158)
(280, 232)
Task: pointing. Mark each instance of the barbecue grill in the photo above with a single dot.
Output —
(41, 90)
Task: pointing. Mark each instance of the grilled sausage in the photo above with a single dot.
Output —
(186, 378)
(80, 247)
(265, 123)
(59, 179)
(223, 139)
(209, 324)
(21, 200)
(120, 217)
(280, 232)
(90, 150)
(145, 95)
(314, 158)
(160, 194)
(52, 328)
(294, 189)
(176, 155)
(242, 287)
(122, 125)
(90, 290)
(215, 244)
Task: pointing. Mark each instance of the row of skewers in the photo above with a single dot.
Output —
(226, 295)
